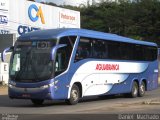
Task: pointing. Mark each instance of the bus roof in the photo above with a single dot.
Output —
(61, 32)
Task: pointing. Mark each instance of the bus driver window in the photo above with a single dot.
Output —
(83, 50)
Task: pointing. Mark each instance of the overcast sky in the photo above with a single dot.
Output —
(61, 2)
(54, 1)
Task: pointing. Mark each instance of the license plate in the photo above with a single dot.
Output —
(26, 95)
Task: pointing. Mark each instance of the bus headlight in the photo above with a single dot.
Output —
(12, 83)
(10, 86)
(45, 86)
(56, 81)
(51, 84)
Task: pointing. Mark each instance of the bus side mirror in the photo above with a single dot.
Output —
(54, 50)
(9, 49)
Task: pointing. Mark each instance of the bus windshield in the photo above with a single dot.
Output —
(31, 61)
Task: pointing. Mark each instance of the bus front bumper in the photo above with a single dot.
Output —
(43, 92)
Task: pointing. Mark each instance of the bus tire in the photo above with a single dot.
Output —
(37, 101)
(142, 88)
(134, 90)
(74, 95)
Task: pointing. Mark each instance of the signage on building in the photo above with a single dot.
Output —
(4, 5)
(4, 12)
(3, 19)
(35, 12)
(68, 18)
(22, 29)
(4, 31)
(4, 72)
(29, 16)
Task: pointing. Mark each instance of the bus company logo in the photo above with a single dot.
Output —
(107, 67)
(38, 13)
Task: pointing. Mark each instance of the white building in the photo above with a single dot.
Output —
(22, 16)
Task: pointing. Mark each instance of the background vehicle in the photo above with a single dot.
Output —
(72, 63)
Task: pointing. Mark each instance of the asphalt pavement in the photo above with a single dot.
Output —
(106, 107)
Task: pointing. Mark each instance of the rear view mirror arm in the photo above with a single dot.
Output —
(5, 51)
(54, 49)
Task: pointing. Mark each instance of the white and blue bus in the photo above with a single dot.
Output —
(69, 64)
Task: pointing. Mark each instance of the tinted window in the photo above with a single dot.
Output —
(99, 49)
(84, 49)
(63, 54)
(106, 49)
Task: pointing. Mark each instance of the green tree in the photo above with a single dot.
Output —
(139, 19)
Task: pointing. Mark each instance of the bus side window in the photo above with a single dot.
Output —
(83, 49)
(100, 49)
(60, 63)
(63, 54)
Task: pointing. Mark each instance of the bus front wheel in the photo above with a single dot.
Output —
(134, 91)
(74, 95)
(37, 101)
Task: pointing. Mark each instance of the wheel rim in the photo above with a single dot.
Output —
(142, 89)
(74, 95)
(135, 92)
